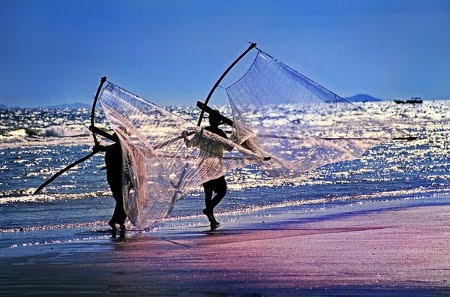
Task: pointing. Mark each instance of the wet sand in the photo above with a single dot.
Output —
(396, 252)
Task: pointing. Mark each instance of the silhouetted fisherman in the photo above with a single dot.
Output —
(114, 171)
(211, 150)
(218, 185)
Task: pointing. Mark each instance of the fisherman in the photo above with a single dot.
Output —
(114, 171)
(217, 185)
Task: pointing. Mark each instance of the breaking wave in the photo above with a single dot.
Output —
(356, 199)
(12, 197)
(61, 131)
(53, 227)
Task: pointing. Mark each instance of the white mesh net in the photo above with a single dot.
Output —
(280, 113)
(165, 156)
(283, 123)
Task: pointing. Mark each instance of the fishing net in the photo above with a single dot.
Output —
(164, 156)
(283, 123)
(301, 125)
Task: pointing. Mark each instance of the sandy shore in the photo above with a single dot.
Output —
(401, 252)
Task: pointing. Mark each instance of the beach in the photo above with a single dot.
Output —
(374, 226)
(384, 249)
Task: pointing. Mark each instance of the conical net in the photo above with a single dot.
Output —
(164, 156)
(283, 123)
(301, 125)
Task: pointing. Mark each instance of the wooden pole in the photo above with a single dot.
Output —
(252, 45)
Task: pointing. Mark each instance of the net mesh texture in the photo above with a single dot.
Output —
(164, 156)
(281, 113)
(283, 123)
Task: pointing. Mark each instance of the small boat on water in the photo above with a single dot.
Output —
(413, 100)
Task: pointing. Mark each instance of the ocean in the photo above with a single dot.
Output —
(36, 142)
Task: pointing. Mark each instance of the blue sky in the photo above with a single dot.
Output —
(172, 52)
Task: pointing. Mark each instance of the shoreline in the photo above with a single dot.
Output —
(401, 250)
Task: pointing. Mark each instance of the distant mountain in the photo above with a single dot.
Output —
(363, 98)
(3, 106)
(70, 106)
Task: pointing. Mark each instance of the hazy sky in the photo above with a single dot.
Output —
(172, 52)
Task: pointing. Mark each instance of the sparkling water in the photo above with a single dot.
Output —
(36, 143)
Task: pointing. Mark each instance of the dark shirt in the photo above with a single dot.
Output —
(113, 162)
